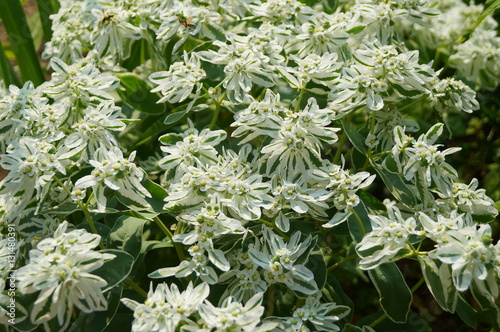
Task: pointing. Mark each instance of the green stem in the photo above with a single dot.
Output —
(358, 219)
(299, 100)
(342, 141)
(216, 111)
(84, 209)
(270, 300)
(378, 320)
(178, 246)
(409, 105)
(370, 149)
(275, 228)
(136, 287)
(344, 260)
(417, 285)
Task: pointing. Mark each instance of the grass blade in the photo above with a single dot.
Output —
(45, 10)
(21, 41)
(6, 71)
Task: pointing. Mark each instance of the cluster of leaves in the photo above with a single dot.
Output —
(258, 157)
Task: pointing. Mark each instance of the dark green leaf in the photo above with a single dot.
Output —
(395, 296)
(316, 264)
(356, 29)
(466, 312)
(174, 117)
(137, 94)
(45, 10)
(357, 140)
(6, 71)
(102, 229)
(117, 269)
(396, 186)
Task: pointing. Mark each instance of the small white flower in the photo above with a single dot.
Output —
(166, 307)
(178, 82)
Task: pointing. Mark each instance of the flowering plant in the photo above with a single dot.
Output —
(248, 162)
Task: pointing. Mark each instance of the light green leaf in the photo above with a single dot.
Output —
(126, 235)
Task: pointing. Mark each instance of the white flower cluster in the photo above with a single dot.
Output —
(476, 59)
(168, 309)
(60, 272)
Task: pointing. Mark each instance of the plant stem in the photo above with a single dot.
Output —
(417, 285)
(275, 228)
(178, 246)
(270, 299)
(84, 209)
(342, 141)
(370, 149)
(136, 287)
(344, 260)
(358, 219)
(216, 111)
(378, 320)
(299, 100)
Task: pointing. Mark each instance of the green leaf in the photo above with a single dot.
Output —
(98, 320)
(137, 94)
(158, 195)
(352, 328)
(45, 10)
(126, 235)
(357, 29)
(357, 140)
(24, 306)
(6, 71)
(466, 312)
(102, 229)
(174, 117)
(21, 41)
(64, 208)
(316, 264)
(333, 292)
(117, 269)
(35, 26)
(484, 292)
(396, 186)
(395, 296)
(438, 279)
